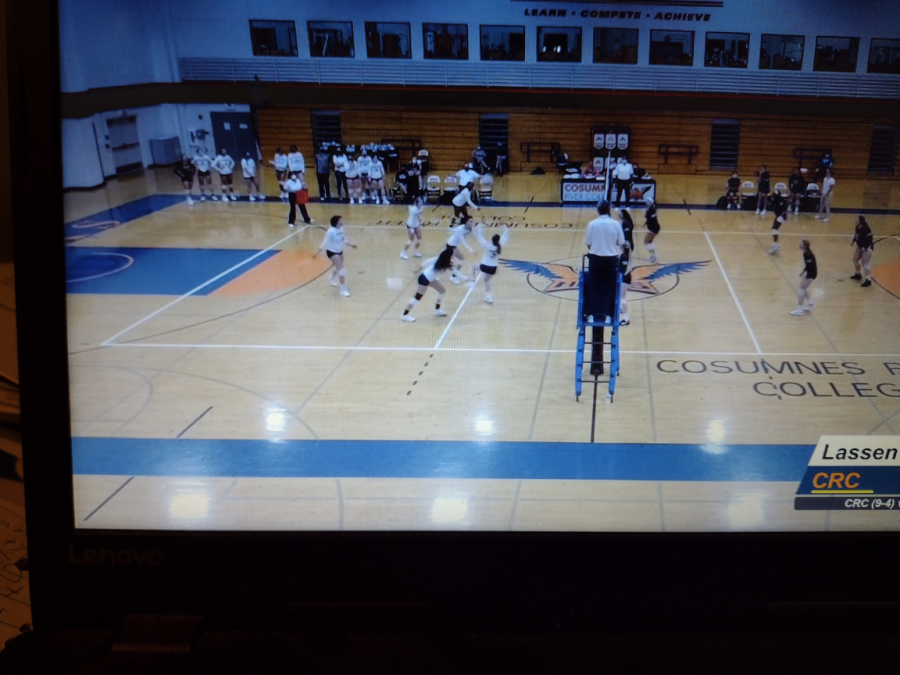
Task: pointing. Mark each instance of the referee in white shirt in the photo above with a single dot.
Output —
(624, 173)
(605, 241)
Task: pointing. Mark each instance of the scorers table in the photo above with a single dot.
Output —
(592, 190)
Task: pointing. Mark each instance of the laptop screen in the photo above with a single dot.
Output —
(351, 268)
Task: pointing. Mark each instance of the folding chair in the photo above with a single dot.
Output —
(486, 188)
(433, 187)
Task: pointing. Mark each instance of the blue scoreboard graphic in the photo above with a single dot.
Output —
(851, 473)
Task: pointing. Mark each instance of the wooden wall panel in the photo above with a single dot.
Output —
(451, 134)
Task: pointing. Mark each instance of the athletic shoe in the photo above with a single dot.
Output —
(818, 217)
(455, 281)
(345, 292)
(653, 258)
(333, 280)
(417, 254)
(810, 305)
(729, 207)
(624, 320)
(774, 249)
(214, 198)
(825, 220)
(290, 224)
(867, 282)
(757, 211)
(202, 198)
(385, 201)
(377, 200)
(233, 197)
(739, 207)
(409, 318)
(404, 255)
(252, 198)
(351, 200)
(798, 312)
(440, 312)
(856, 277)
(763, 212)
(488, 298)
(190, 201)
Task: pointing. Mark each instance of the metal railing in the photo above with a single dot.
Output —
(543, 76)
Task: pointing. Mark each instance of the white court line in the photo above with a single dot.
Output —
(458, 310)
(733, 294)
(108, 341)
(486, 350)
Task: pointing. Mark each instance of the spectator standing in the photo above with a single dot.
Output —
(280, 162)
(248, 169)
(323, 173)
(296, 163)
(826, 196)
(797, 187)
(340, 162)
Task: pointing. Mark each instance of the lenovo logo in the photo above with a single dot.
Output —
(111, 556)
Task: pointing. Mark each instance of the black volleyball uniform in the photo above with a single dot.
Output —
(652, 222)
(185, 173)
(809, 265)
(764, 179)
(863, 238)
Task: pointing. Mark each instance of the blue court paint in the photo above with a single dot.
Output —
(153, 271)
(438, 459)
(119, 215)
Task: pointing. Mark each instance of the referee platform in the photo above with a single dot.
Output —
(589, 317)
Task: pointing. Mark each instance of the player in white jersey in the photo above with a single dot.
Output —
(295, 162)
(489, 260)
(333, 245)
(281, 169)
(462, 202)
(354, 183)
(430, 277)
(364, 162)
(376, 181)
(224, 164)
(248, 169)
(414, 228)
(203, 162)
(456, 239)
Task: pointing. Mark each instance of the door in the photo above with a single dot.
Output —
(234, 132)
(124, 143)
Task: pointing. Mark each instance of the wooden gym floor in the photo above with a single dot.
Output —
(219, 382)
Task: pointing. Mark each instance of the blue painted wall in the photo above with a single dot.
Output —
(111, 43)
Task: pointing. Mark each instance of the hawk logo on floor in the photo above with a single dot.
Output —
(557, 278)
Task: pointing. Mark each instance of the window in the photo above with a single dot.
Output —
(557, 43)
(273, 38)
(884, 56)
(727, 50)
(883, 150)
(615, 45)
(672, 47)
(836, 54)
(387, 40)
(446, 40)
(781, 52)
(725, 142)
(331, 38)
(503, 43)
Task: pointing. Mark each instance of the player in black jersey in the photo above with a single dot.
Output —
(762, 190)
(797, 187)
(185, 171)
(807, 276)
(733, 191)
(628, 231)
(652, 230)
(780, 208)
(864, 245)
